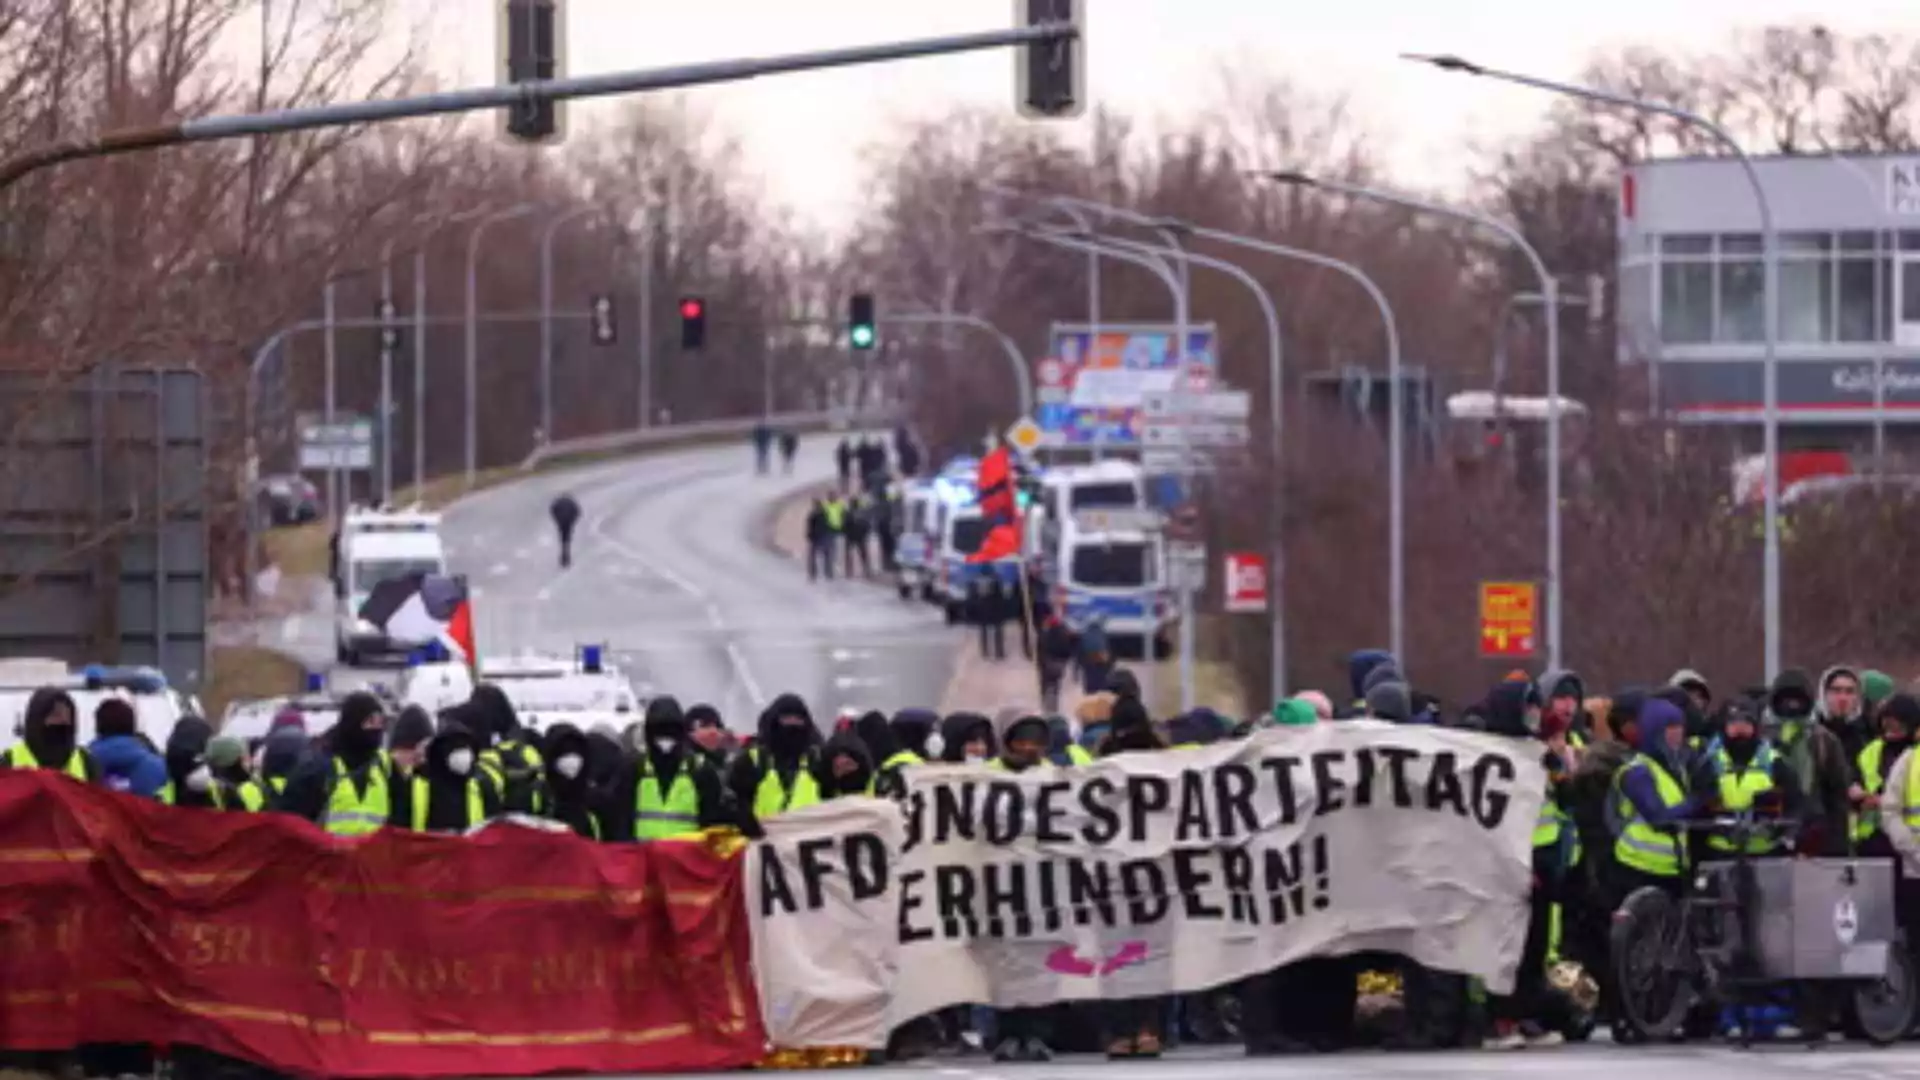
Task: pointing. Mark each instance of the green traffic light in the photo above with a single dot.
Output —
(862, 337)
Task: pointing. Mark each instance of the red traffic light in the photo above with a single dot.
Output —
(692, 309)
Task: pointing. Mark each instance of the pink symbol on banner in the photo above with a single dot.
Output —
(1065, 961)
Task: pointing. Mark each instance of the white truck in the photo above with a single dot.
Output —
(376, 546)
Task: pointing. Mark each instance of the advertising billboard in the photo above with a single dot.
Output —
(1092, 388)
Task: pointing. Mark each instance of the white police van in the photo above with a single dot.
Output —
(543, 689)
(374, 546)
(917, 510)
(1116, 488)
(157, 706)
(1113, 572)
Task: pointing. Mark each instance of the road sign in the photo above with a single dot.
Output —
(1245, 581)
(1209, 405)
(1164, 436)
(1024, 435)
(1051, 372)
(346, 443)
(1187, 565)
(1509, 619)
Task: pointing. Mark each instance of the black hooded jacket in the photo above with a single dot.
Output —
(187, 751)
(960, 728)
(858, 762)
(664, 720)
(913, 727)
(449, 808)
(351, 747)
(51, 749)
(569, 800)
(784, 750)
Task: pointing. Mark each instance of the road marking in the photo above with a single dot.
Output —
(500, 569)
(290, 628)
(841, 656)
(543, 595)
(848, 682)
(523, 554)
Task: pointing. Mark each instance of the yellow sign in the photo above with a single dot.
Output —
(1024, 435)
(1509, 619)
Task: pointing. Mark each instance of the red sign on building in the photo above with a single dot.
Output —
(1245, 581)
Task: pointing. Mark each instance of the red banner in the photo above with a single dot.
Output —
(515, 952)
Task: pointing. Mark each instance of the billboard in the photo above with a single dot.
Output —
(1092, 388)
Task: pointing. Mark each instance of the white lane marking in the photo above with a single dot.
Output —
(500, 569)
(842, 656)
(290, 628)
(545, 594)
(847, 682)
(742, 671)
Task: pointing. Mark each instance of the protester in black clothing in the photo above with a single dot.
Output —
(789, 446)
(190, 781)
(708, 733)
(767, 778)
(49, 736)
(566, 515)
(567, 791)
(1057, 649)
(457, 794)
(857, 529)
(848, 767)
(843, 461)
(352, 756)
(606, 758)
(1019, 612)
(762, 447)
(905, 453)
(985, 609)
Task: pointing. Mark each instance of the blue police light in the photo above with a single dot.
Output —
(140, 680)
(590, 659)
(316, 682)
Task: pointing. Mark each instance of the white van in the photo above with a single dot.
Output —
(1117, 575)
(156, 705)
(543, 689)
(918, 511)
(1103, 496)
(377, 546)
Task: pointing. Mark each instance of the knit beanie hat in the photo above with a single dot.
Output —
(1876, 685)
(1294, 712)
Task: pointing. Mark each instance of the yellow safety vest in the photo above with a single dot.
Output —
(278, 784)
(1867, 820)
(423, 794)
(1910, 803)
(349, 813)
(251, 797)
(493, 761)
(20, 756)
(1641, 846)
(1550, 825)
(1738, 790)
(665, 816)
(773, 798)
(900, 759)
(836, 514)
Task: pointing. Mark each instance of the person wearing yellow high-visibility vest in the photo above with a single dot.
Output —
(1749, 776)
(1563, 695)
(1899, 804)
(847, 765)
(1898, 716)
(351, 790)
(783, 770)
(890, 759)
(49, 738)
(449, 792)
(671, 792)
(1651, 796)
(190, 779)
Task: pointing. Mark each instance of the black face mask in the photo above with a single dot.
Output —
(57, 739)
(791, 738)
(1741, 748)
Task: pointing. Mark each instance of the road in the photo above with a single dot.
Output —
(670, 572)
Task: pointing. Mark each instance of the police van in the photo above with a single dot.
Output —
(1116, 488)
(1113, 572)
(916, 513)
(157, 706)
(543, 689)
(377, 545)
(318, 706)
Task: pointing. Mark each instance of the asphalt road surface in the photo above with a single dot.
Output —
(1596, 1061)
(671, 574)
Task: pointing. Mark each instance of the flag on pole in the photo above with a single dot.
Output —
(999, 507)
(421, 608)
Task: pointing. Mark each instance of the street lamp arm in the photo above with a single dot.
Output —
(1022, 369)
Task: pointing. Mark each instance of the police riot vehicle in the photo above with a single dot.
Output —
(1110, 567)
(157, 706)
(916, 512)
(318, 705)
(376, 545)
(1119, 489)
(543, 689)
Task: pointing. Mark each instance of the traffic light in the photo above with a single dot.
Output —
(531, 38)
(604, 329)
(1050, 77)
(860, 331)
(693, 322)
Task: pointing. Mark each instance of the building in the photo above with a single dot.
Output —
(1690, 294)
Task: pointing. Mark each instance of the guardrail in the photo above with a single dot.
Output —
(668, 435)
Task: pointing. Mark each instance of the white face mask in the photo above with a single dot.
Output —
(460, 762)
(975, 759)
(200, 779)
(665, 746)
(569, 765)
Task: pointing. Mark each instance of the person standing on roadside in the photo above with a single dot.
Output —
(1057, 649)
(858, 525)
(566, 515)
(789, 446)
(843, 461)
(819, 541)
(762, 447)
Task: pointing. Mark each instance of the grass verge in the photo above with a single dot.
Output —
(242, 673)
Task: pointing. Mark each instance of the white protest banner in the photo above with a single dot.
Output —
(827, 979)
(1157, 873)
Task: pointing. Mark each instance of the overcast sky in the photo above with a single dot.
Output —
(804, 133)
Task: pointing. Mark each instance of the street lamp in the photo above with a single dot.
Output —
(473, 328)
(1770, 308)
(1549, 288)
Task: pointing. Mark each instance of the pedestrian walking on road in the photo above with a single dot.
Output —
(858, 527)
(843, 459)
(566, 515)
(1057, 650)
(986, 610)
(789, 446)
(1095, 656)
(762, 447)
(819, 541)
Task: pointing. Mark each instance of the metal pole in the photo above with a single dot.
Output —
(420, 366)
(473, 330)
(1022, 369)
(646, 326)
(1770, 254)
(386, 372)
(546, 316)
(1275, 369)
(1166, 274)
(1549, 289)
(333, 474)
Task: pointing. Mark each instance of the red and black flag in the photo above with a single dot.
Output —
(422, 608)
(999, 506)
